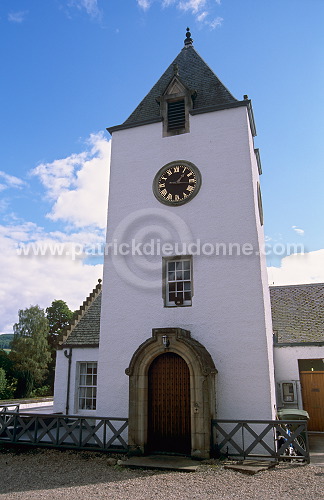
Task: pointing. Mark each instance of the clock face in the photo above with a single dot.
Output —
(176, 183)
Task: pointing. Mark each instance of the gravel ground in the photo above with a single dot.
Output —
(54, 474)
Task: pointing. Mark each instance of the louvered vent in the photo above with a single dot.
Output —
(176, 115)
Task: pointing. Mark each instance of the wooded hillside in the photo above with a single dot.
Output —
(5, 340)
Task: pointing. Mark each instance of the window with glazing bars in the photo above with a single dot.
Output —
(176, 115)
(178, 282)
(87, 396)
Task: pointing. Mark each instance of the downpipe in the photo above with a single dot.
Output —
(69, 357)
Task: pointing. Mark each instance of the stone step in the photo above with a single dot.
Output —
(250, 466)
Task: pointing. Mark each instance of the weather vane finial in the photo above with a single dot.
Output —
(188, 41)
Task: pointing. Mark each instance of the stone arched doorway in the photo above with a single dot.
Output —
(202, 388)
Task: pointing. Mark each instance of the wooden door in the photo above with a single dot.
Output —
(169, 405)
(312, 384)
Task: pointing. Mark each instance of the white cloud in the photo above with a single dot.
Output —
(193, 5)
(299, 269)
(202, 16)
(10, 181)
(299, 231)
(39, 280)
(144, 4)
(39, 266)
(17, 17)
(167, 3)
(201, 9)
(79, 184)
(216, 22)
(24, 231)
(62, 272)
(90, 6)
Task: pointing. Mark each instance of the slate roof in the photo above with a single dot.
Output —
(84, 331)
(298, 313)
(197, 76)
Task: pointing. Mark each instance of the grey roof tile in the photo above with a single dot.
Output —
(196, 75)
(298, 313)
(84, 329)
(87, 330)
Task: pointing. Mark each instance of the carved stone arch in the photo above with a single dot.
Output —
(202, 387)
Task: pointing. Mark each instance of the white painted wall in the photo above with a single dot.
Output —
(286, 360)
(61, 378)
(230, 314)
(286, 366)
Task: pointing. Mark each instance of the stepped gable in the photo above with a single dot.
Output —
(84, 330)
(298, 313)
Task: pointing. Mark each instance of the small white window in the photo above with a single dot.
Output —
(87, 391)
(178, 281)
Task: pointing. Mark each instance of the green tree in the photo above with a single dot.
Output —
(30, 352)
(3, 382)
(58, 316)
(11, 382)
(5, 340)
(5, 361)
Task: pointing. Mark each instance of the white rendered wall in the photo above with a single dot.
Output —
(61, 378)
(286, 365)
(230, 313)
(286, 360)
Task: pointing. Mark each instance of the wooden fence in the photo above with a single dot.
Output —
(64, 431)
(263, 439)
(267, 439)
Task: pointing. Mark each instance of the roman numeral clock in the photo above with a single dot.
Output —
(177, 183)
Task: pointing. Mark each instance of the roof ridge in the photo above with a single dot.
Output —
(78, 315)
(297, 285)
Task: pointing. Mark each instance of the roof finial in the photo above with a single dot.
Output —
(188, 41)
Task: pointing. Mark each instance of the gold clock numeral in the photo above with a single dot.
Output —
(169, 197)
(190, 173)
(163, 192)
(192, 181)
(169, 172)
(176, 197)
(164, 178)
(190, 188)
(176, 169)
(184, 169)
(162, 185)
(185, 195)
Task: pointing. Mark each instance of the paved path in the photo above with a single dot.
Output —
(316, 446)
(39, 408)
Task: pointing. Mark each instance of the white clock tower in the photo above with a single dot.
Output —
(185, 329)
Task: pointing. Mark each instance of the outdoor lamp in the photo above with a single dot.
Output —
(166, 341)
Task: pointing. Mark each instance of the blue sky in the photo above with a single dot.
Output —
(70, 68)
